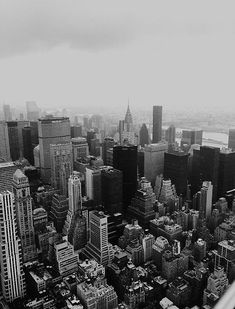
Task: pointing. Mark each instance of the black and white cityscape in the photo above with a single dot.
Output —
(117, 155)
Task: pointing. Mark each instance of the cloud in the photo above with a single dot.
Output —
(32, 25)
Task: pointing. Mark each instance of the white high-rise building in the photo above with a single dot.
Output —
(12, 275)
(76, 224)
(98, 247)
(24, 214)
(206, 199)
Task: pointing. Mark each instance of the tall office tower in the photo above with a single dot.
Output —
(34, 132)
(93, 184)
(144, 135)
(231, 139)
(59, 209)
(97, 121)
(98, 247)
(32, 111)
(66, 259)
(20, 126)
(190, 137)
(4, 142)
(61, 166)
(170, 134)
(13, 140)
(51, 130)
(28, 145)
(107, 144)
(157, 124)
(12, 275)
(176, 169)
(76, 131)
(154, 160)
(159, 247)
(205, 202)
(142, 203)
(24, 214)
(226, 176)
(7, 112)
(111, 186)
(80, 148)
(75, 224)
(140, 162)
(126, 129)
(95, 149)
(209, 167)
(125, 160)
(90, 136)
(86, 123)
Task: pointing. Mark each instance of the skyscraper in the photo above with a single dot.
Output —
(61, 166)
(209, 167)
(24, 214)
(125, 160)
(32, 111)
(205, 204)
(93, 184)
(190, 137)
(111, 186)
(107, 144)
(12, 275)
(126, 129)
(75, 224)
(231, 139)
(157, 124)
(51, 130)
(144, 135)
(98, 246)
(4, 142)
(7, 112)
(226, 176)
(13, 140)
(154, 160)
(170, 134)
(176, 169)
(28, 145)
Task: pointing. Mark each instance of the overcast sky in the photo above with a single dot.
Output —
(96, 54)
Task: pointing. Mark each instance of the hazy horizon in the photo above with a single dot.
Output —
(94, 56)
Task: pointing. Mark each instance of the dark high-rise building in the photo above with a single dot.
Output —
(140, 162)
(157, 124)
(51, 130)
(170, 134)
(27, 145)
(190, 137)
(13, 140)
(226, 177)
(111, 186)
(107, 144)
(34, 133)
(90, 136)
(176, 169)
(76, 131)
(231, 139)
(144, 135)
(194, 177)
(209, 167)
(59, 209)
(125, 160)
(95, 147)
(7, 112)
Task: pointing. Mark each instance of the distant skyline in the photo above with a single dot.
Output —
(94, 55)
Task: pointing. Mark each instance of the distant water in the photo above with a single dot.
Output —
(214, 139)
